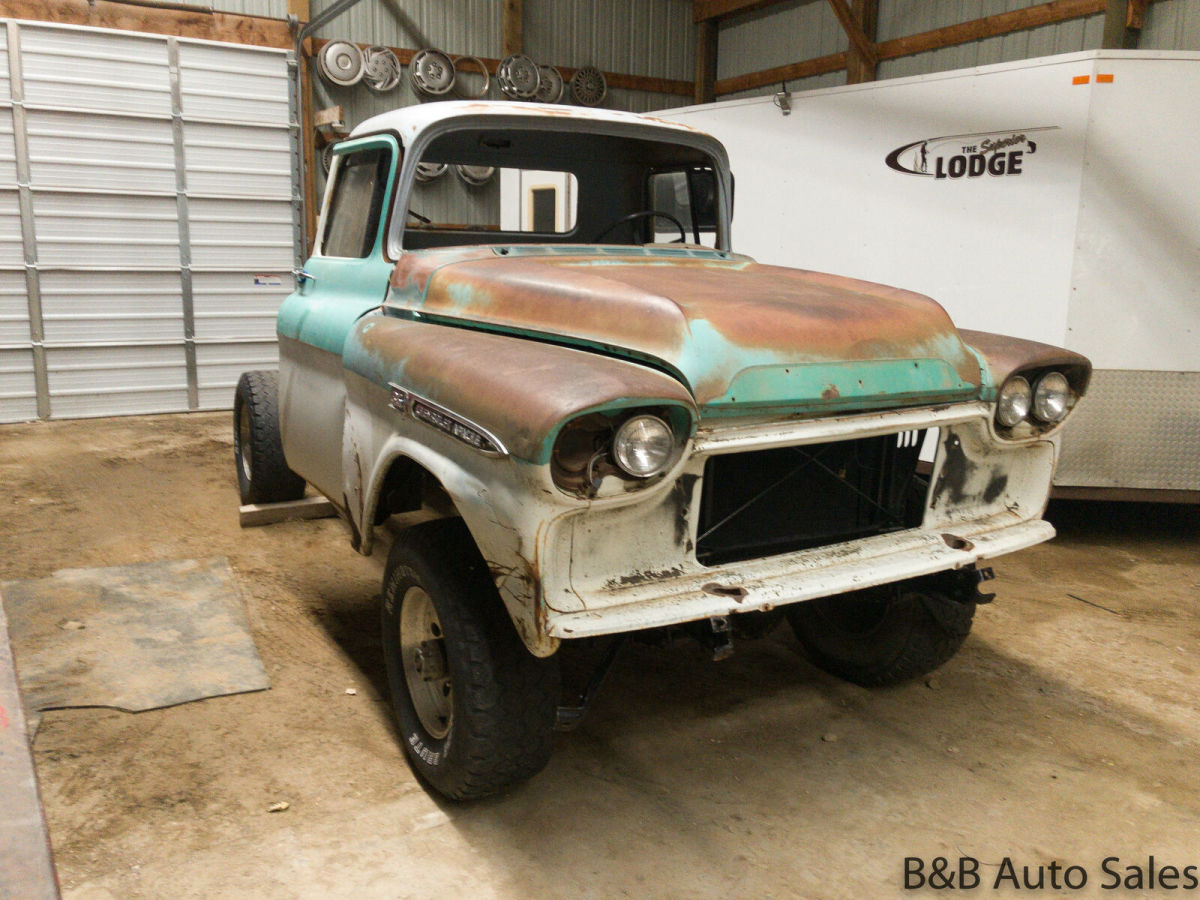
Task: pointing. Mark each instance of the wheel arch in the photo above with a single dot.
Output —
(410, 478)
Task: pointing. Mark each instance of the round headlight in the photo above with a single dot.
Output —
(1052, 397)
(1013, 404)
(643, 446)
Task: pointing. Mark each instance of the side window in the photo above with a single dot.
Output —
(356, 204)
(690, 196)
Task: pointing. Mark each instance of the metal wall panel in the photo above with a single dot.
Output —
(107, 307)
(1171, 25)
(778, 36)
(95, 231)
(116, 380)
(805, 30)
(898, 18)
(470, 27)
(84, 149)
(271, 9)
(238, 161)
(654, 38)
(223, 362)
(101, 72)
(14, 309)
(160, 180)
(242, 161)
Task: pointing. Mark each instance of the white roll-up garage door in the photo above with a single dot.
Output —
(148, 219)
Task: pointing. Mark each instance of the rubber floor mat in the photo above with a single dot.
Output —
(132, 637)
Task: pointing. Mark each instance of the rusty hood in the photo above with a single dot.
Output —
(738, 334)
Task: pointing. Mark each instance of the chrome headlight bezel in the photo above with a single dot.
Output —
(1013, 402)
(1052, 398)
(643, 446)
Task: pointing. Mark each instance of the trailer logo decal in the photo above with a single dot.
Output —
(967, 155)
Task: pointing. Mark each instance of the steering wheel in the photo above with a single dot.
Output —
(644, 214)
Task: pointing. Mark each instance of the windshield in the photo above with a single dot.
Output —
(533, 185)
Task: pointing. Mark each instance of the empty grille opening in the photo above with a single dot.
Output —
(769, 502)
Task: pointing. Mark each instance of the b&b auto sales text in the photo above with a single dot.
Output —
(963, 874)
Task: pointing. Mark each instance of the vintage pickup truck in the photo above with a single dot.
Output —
(582, 415)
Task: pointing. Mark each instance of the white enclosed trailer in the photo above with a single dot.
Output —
(1056, 199)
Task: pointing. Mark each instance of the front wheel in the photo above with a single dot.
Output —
(885, 635)
(476, 709)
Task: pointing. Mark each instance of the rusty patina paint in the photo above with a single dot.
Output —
(708, 320)
(521, 391)
(1006, 355)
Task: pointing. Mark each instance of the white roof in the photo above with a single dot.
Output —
(409, 121)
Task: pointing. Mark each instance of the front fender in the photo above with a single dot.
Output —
(1006, 356)
(519, 391)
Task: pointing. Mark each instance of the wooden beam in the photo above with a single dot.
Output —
(1137, 14)
(709, 10)
(706, 61)
(315, 507)
(200, 23)
(858, 67)
(790, 72)
(512, 27)
(990, 26)
(860, 45)
(614, 79)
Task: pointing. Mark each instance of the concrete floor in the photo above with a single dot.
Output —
(1067, 729)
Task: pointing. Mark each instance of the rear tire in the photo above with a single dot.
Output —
(884, 635)
(476, 709)
(263, 473)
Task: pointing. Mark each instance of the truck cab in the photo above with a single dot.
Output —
(524, 344)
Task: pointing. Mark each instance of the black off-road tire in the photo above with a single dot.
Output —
(885, 635)
(262, 472)
(502, 701)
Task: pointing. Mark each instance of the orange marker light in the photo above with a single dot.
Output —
(1081, 79)
(1104, 79)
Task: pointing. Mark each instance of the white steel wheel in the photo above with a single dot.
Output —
(426, 671)
(475, 709)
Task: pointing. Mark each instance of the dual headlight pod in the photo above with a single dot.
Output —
(1047, 401)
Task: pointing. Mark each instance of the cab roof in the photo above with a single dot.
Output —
(410, 121)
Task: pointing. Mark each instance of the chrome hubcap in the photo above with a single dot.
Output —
(426, 672)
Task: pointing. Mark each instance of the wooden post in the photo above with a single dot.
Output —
(309, 136)
(1122, 24)
(706, 60)
(512, 27)
(300, 9)
(860, 68)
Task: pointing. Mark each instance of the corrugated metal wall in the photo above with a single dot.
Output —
(1172, 25)
(655, 38)
(778, 36)
(807, 29)
(147, 220)
(897, 19)
(272, 9)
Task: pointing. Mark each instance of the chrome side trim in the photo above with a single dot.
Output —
(447, 421)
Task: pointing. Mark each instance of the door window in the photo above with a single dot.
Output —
(356, 204)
